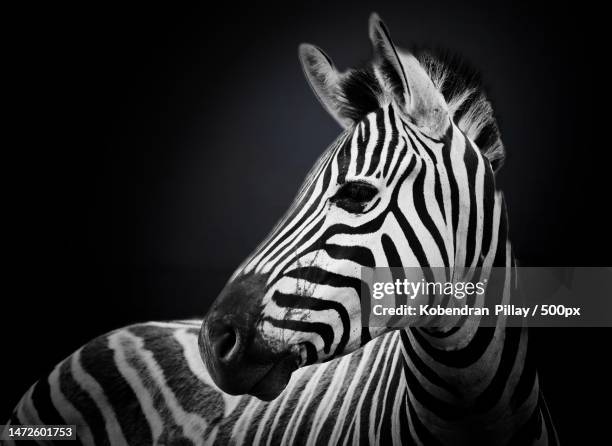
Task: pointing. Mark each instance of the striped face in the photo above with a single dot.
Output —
(391, 191)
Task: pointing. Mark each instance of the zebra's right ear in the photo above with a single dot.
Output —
(324, 80)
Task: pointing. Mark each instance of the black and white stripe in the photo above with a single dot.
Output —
(425, 139)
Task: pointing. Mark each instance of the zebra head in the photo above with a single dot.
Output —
(392, 190)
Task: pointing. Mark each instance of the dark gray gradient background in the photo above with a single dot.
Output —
(162, 145)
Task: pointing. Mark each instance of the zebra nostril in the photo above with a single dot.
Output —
(224, 340)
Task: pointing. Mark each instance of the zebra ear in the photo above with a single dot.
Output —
(408, 82)
(387, 64)
(324, 80)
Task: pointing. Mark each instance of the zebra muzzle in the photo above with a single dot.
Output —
(240, 364)
(238, 359)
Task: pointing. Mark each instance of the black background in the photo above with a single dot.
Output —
(155, 148)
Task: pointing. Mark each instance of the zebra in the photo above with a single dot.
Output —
(282, 356)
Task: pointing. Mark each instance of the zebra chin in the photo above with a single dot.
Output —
(238, 359)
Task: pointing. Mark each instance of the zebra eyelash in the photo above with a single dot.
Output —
(354, 196)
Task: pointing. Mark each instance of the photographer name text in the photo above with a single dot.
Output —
(497, 310)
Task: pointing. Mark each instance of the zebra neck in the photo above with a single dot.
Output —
(492, 264)
(450, 343)
(465, 341)
(484, 375)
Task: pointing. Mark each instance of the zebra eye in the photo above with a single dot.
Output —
(354, 196)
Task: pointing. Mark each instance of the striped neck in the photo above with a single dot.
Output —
(468, 383)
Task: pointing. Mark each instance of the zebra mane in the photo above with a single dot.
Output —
(468, 105)
(360, 93)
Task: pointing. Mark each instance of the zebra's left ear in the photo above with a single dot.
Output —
(410, 85)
